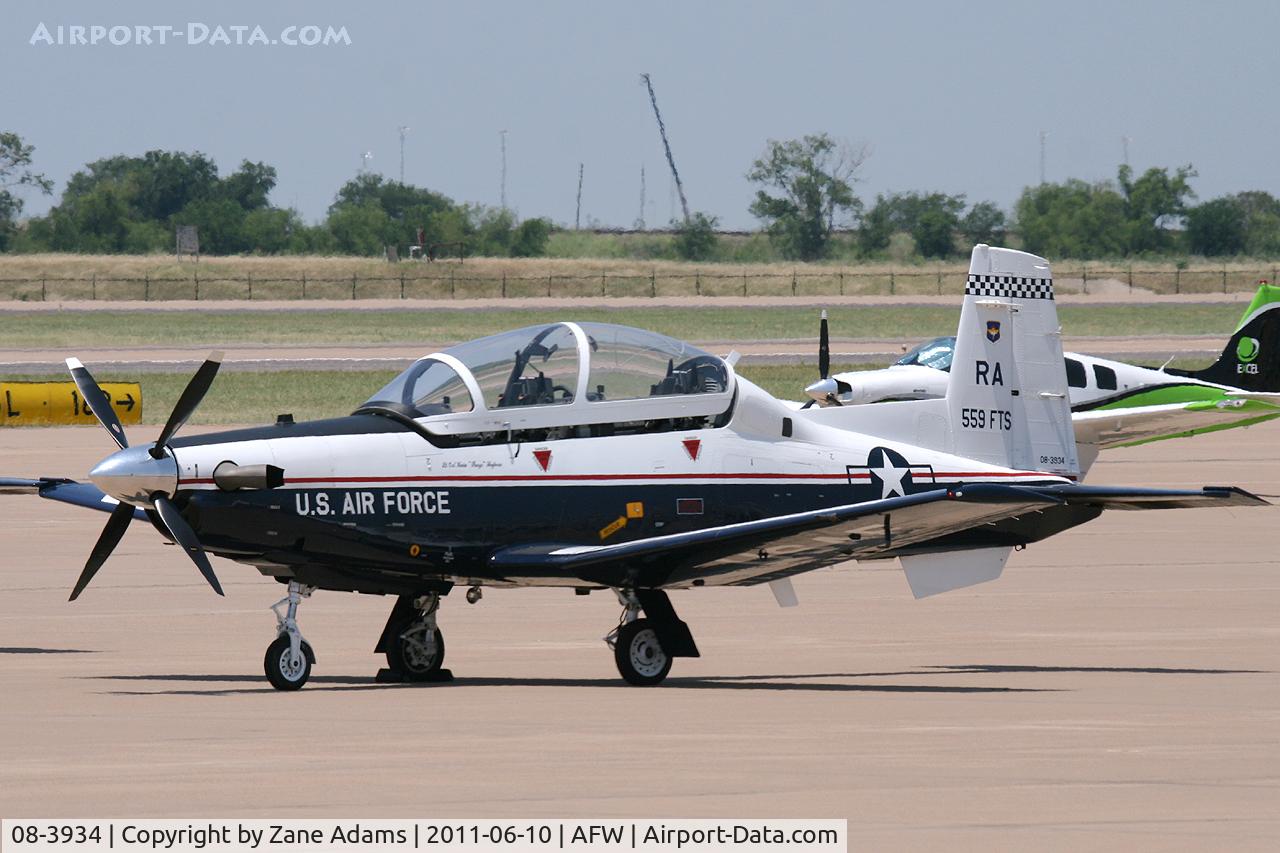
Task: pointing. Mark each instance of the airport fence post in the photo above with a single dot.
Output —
(453, 284)
(744, 282)
(197, 278)
(1177, 279)
(892, 282)
(939, 281)
(1224, 279)
(353, 287)
(842, 282)
(653, 284)
(504, 284)
(304, 284)
(793, 282)
(602, 283)
(548, 284)
(95, 287)
(146, 288)
(249, 278)
(1131, 278)
(1084, 278)
(697, 282)
(42, 290)
(402, 284)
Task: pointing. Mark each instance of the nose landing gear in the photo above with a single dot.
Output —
(289, 658)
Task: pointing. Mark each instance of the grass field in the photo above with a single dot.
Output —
(61, 277)
(111, 328)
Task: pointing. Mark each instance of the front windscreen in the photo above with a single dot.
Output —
(628, 363)
(428, 387)
(936, 353)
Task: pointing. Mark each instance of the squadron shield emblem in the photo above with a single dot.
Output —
(993, 330)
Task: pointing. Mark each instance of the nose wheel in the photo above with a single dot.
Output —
(289, 658)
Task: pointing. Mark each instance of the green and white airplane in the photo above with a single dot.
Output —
(1113, 404)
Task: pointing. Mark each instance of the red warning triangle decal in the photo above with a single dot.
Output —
(543, 457)
(692, 446)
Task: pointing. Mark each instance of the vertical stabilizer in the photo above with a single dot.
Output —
(1007, 393)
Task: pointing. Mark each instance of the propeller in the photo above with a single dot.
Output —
(132, 463)
(825, 387)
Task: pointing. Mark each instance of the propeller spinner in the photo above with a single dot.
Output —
(143, 476)
(824, 391)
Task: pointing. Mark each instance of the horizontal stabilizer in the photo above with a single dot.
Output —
(1125, 427)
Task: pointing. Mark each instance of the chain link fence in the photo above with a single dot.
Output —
(458, 283)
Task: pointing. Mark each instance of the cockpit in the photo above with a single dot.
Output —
(936, 353)
(559, 377)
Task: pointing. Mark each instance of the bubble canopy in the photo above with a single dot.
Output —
(559, 374)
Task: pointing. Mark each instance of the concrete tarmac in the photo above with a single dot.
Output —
(1118, 688)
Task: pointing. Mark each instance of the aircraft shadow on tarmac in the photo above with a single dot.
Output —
(822, 682)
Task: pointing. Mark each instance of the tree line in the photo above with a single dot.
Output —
(804, 198)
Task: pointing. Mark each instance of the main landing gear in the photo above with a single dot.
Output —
(412, 642)
(644, 646)
(289, 658)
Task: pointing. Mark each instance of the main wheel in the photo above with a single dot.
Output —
(640, 657)
(410, 653)
(282, 671)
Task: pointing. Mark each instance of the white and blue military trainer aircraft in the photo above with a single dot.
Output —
(1113, 404)
(601, 457)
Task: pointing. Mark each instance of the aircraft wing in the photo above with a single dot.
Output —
(771, 548)
(61, 489)
(1142, 424)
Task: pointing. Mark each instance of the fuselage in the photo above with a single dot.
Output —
(370, 505)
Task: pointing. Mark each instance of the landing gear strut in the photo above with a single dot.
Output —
(412, 642)
(289, 658)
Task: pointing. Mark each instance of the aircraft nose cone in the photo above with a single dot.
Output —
(132, 475)
(820, 389)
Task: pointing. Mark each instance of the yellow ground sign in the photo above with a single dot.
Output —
(46, 403)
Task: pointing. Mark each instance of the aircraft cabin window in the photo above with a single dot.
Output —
(1075, 374)
(533, 366)
(936, 353)
(427, 388)
(628, 364)
(1105, 377)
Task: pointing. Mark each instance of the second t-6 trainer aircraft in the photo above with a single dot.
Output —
(596, 457)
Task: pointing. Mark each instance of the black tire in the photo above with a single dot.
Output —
(408, 658)
(640, 657)
(279, 672)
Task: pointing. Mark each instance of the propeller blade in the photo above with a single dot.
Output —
(107, 542)
(186, 538)
(824, 347)
(188, 402)
(97, 401)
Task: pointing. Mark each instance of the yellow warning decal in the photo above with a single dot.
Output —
(635, 509)
(613, 527)
(48, 403)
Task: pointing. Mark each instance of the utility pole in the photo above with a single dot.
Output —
(1044, 135)
(577, 216)
(662, 131)
(364, 161)
(404, 130)
(640, 221)
(502, 134)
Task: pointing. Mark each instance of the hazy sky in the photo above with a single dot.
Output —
(948, 96)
